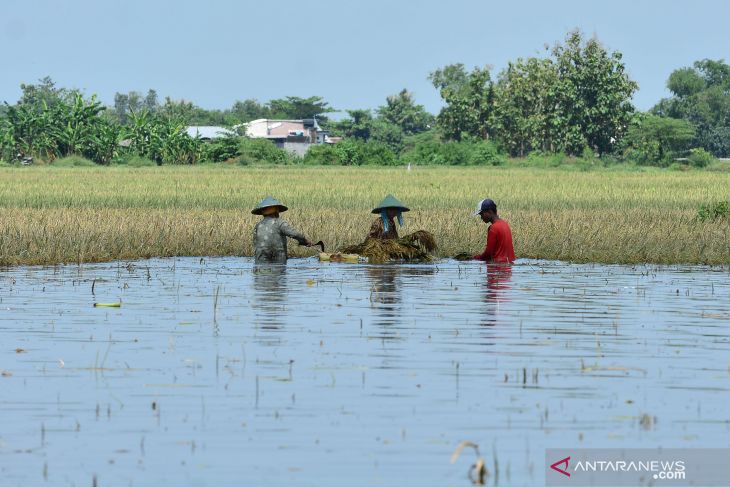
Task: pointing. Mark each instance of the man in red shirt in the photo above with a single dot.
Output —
(499, 236)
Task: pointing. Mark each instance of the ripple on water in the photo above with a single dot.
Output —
(219, 373)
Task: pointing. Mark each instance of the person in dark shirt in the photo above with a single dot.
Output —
(388, 210)
(499, 246)
(270, 234)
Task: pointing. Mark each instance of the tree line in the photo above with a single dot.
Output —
(572, 102)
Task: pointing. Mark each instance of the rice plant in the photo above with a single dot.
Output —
(79, 214)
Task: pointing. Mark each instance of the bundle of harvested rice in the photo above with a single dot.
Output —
(413, 247)
(422, 238)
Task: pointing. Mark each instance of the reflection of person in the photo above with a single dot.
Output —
(384, 289)
(385, 296)
(270, 234)
(499, 246)
(269, 284)
(498, 278)
(496, 293)
(389, 209)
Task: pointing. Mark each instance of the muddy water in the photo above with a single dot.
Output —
(215, 373)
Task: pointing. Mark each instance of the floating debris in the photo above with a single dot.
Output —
(478, 471)
(108, 305)
(646, 421)
(338, 257)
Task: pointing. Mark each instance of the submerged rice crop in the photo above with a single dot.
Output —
(55, 215)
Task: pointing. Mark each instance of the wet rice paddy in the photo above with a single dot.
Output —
(214, 372)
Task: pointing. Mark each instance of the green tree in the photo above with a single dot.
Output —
(361, 125)
(701, 95)
(43, 93)
(162, 139)
(718, 141)
(401, 110)
(293, 107)
(469, 99)
(576, 98)
(526, 115)
(387, 134)
(593, 94)
(121, 107)
(191, 114)
(686, 82)
(249, 109)
(357, 125)
(657, 140)
(151, 104)
(453, 76)
(133, 102)
(69, 126)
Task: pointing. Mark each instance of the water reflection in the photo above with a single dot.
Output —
(270, 295)
(387, 282)
(496, 293)
(373, 373)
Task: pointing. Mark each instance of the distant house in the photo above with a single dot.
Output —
(208, 132)
(295, 136)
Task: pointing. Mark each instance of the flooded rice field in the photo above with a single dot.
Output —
(213, 372)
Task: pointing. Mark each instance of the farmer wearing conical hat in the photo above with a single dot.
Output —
(388, 210)
(269, 235)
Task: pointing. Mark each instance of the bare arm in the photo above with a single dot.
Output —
(489, 249)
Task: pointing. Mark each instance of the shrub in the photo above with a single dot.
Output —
(222, 149)
(133, 160)
(713, 211)
(348, 152)
(161, 139)
(700, 158)
(676, 166)
(655, 141)
(536, 159)
(262, 151)
(486, 153)
(588, 154)
(448, 153)
(324, 154)
(73, 161)
(422, 149)
(378, 153)
(557, 159)
(388, 134)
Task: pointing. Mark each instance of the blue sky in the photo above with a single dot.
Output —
(354, 53)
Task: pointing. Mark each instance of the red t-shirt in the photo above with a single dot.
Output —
(499, 244)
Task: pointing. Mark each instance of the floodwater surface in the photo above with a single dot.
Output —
(214, 372)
